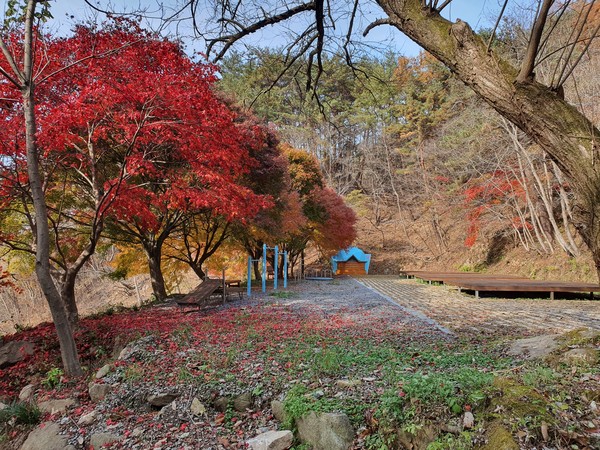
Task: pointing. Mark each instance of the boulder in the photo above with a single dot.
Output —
(278, 410)
(56, 406)
(15, 351)
(221, 404)
(581, 356)
(272, 440)
(243, 402)
(88, 419)
(135, 347)
(98, 392)
(26, 393)
(99, 439)
(103, 371)
(127, 351)
(45, 437)
(535, 347)
(326, 431)
(160, 400)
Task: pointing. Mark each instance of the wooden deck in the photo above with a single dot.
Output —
(480, 282)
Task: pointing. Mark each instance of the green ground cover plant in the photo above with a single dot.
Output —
(394, 381)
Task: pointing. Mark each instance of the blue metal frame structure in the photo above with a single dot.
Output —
(264, 269)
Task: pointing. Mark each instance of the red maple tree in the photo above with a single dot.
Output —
(128, 129)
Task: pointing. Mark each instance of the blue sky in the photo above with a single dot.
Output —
(478, 13)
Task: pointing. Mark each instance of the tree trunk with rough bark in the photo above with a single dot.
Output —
(67, 294)
(559, 128)
(197, 268)
(68, 349)
(154, 254)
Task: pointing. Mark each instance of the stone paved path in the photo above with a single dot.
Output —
(461, 312)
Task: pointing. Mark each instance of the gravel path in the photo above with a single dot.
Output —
(462, 312)
(354, 300)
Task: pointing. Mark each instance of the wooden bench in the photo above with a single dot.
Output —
(201, 293)
(212, 288)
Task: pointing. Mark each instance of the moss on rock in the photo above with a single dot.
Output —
(499, 438)
(581, 337)
(519, 401)
(585, 353)
(581, 357)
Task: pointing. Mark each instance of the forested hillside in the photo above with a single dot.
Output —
(438, 179)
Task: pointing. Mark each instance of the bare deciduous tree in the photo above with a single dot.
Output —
(538, 109)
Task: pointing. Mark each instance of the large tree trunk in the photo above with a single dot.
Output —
(67, 294)
(154, 254)
(68, 349)
(197, 268)
(256, 268)
(256, 254)
(562, 131)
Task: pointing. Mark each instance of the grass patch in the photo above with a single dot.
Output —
(20, 414)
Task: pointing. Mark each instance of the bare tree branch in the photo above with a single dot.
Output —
(489, 45)
(231, 39)
(18, 81)
(376, 23)
(526, 72)
(566, 73)
(443, 5)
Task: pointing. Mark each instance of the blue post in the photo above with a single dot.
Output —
(264, 271)
(249, 291)
(276, 260)
(285, 270)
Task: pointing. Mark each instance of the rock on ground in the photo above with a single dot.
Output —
(14, 352)
(160, 400)
(327, 431)
(88, 419)
(56, 406)
(272, 440)
(278, 410)
(197, 408)
(499, 438)
(103, 371)
(26, 393)
(99, 439)
(535, 347)
(98, 392)
(45, 437)
(243, 402)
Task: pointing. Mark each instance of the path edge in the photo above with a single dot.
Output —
(418, 314)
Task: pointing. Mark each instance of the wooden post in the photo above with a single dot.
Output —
(224, 287)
